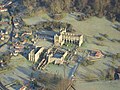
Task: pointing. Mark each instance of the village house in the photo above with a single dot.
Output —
(94, 54)
(19, 48)
(23, 88)
(16, 35)
(1, 6)
(3, 9)
(4, 34)
(16, 23)
(3, 38)
(16, 48)
(4, 23)
(27, 33)
(7, 4)
(25, 41)
(1, 63)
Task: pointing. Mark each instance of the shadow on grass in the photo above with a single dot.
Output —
(110, 66)
(99, 74)
(24, 70)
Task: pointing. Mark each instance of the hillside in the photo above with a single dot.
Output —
(103, 85)
(108, 8)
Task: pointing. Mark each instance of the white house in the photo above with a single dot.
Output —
(3, 9)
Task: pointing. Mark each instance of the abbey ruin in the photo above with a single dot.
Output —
(63, 37)
(55, 54)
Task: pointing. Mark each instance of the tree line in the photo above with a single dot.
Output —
(108, 8)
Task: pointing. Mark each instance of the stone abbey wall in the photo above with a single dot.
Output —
(32, 56)
(64, 36)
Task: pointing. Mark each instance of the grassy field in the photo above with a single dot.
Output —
(92, 28)
(103, 85)
(43, 43)
(19, 69)
(36, 19)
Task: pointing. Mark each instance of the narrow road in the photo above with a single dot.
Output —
(12, 28)
(12, 25)
(73, 70)
(72, 73)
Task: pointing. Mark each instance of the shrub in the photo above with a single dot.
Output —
(116, 56)
(56, 16)
(118, 41)
(99, 38)
(105, 35)
(87, 62)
